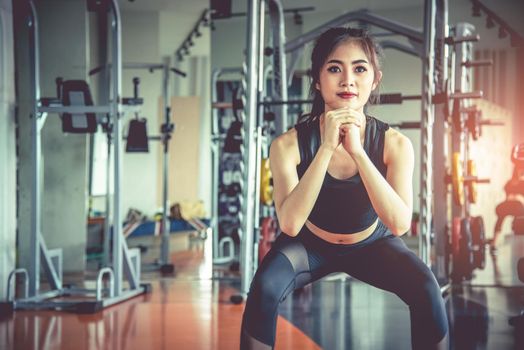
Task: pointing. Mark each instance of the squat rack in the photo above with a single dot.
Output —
(124, 260)
(431, 44)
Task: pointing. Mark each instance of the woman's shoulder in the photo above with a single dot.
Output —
(394, 136)
(286, 140)
(396, 144)
(286, 145)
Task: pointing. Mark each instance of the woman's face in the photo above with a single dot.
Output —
(347, 78)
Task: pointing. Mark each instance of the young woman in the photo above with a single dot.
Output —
(343, 196)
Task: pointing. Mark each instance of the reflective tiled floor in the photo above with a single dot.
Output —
(348, 314)
(191, 310)
(353, 315)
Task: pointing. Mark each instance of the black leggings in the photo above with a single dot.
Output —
(382, 260)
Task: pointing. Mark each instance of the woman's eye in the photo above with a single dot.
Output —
(334, 69)
(360, 69)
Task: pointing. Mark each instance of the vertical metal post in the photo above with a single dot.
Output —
(279, 63)
(455, 136)
(258, 135)
(39, 254)
(104, 91)
(249, 120)
(107, 221)
(440, 143)
(463, 83)
(116, 110)
(215, 162)
(36, 188)
(426, 188)
(341, 326)
(256, 200)
(164, 255)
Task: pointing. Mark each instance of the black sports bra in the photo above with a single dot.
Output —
(342, 205)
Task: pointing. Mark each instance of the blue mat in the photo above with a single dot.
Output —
(147, 228)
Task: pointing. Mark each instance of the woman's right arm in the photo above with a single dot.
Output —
(294, 199)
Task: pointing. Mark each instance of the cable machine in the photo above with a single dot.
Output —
(139, 143)
(74, 107)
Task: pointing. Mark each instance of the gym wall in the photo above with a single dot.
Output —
(184, 151)
(148, 37)
(140, 32)
(191, 109)
(7, 148)
(195, 86)
(203, 90)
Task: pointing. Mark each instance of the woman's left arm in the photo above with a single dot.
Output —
(392, 198)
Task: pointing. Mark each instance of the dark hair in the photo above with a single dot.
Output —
(324, 45)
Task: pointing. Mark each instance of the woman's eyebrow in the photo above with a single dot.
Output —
(335, 61)
(359, 61)
(352, 62)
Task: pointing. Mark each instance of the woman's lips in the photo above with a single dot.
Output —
(346, 95)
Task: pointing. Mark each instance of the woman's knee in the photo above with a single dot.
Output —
(427, 298)
(429, 292)
(426, 288)
(422, 289)
(428, 308)
(272, 281)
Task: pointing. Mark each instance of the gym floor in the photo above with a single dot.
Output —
(191, 310)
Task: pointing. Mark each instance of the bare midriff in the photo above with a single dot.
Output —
(342, 238)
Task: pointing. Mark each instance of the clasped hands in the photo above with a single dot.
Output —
(342, 127)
